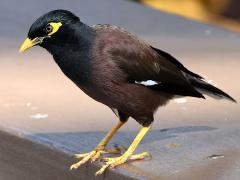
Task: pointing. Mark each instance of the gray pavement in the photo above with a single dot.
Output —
(190, 152)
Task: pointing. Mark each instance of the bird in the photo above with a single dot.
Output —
(119, 70)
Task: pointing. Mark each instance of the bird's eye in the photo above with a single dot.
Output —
(48, 28)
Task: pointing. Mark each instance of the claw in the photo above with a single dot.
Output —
(103, 168)
(115, 161)
(86, 158)
(112, 162)
(93, 156)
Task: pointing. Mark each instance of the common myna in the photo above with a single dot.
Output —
(118, 69)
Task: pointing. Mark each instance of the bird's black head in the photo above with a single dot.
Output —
(48, 27)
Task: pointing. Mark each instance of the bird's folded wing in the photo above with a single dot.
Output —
(142, 64)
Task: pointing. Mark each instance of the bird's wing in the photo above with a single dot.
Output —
(141, 63)
(173, 60)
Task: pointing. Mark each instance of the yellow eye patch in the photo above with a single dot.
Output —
(55, 27)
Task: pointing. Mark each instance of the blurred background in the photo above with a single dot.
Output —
(38, 100)
(223, 13)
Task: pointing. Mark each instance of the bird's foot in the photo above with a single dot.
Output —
(113, 162)
(94, 155)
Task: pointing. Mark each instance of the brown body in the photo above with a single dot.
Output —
(112, 85)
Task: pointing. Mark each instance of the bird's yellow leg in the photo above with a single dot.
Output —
(95, 154)
(113, 162)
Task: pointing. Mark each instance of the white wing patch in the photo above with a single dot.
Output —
(147, 83)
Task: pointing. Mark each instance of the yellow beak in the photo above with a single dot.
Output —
(28, 43)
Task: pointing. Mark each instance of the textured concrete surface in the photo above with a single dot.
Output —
(190, 139)
(199, 152)
(21, 159)
(182, 152)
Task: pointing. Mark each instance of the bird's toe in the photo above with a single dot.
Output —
(112, 162)
(93, 156)
(85, 157)
(116, 161)
(140, 156)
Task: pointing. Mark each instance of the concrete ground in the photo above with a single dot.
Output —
(22, 159)
(190, 139)
(187, 152)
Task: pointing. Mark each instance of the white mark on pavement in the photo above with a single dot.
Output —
(180, 100)
(38, 116)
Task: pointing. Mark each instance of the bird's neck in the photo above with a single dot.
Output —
(72, 51)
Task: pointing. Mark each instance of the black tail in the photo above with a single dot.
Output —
(195, 80)
(209, 89)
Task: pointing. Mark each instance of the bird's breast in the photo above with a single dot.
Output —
(75, 67)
